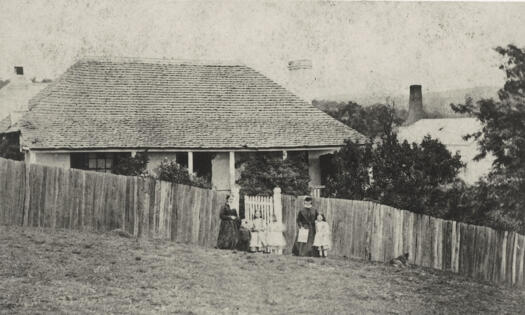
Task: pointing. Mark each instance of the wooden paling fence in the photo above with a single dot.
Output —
(376, 232)
(67, 198)
(12, 191)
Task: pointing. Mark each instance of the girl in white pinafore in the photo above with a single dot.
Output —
(323, 237)
(276, 241)
(258, 240)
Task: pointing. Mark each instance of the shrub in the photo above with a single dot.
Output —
(171, 171)
(262, 172)
(131, 166)
(413, 177)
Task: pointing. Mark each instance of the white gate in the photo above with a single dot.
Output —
(267, 205)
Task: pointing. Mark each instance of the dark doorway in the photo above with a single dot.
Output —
(327, 167)
(202, 164)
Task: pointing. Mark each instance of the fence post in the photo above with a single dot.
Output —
(277, 204)
(27, 195)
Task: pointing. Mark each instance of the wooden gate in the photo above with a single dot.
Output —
(267, 205)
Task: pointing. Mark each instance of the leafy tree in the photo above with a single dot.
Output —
(412, 177)
(503, 121)
(503, 136)
(171, 171)
(263, 172)
(367, 120)
(130, 166)
(350, 172)
(486, 203)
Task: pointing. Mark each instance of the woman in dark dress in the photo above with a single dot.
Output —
(229, 228)
(306, 220)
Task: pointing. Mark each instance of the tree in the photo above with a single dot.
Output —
(130, 166)
(413, 176)
(171, 171)
(261, 173)
(407, 176)
(503, 136)
(367, 120)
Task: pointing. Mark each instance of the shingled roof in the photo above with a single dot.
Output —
(130, 103)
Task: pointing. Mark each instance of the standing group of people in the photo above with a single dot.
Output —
(313, 236)
(254, 237)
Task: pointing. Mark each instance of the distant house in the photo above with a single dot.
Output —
(202, 114)
(450, 132)
(15, 95)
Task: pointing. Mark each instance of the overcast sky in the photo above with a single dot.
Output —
(356, 48)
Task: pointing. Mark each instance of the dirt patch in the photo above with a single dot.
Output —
(79, 272)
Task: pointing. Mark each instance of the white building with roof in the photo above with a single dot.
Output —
(450, 132)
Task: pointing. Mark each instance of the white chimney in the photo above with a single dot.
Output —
(301, 79)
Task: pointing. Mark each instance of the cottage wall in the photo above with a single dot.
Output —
(220, 171)
(473, 170)
(156, 157)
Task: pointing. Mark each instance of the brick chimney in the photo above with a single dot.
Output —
(415, 105)
(301, 79)
(18, 75)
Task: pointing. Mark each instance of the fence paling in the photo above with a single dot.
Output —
(477, 252)
(45, 196)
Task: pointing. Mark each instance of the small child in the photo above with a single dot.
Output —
(276, 241)
(322, 238)
(244, 236)
(257, 241)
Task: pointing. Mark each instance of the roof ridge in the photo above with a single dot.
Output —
(175, 61)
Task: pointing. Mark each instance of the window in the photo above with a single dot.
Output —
(98, 162)
(19, 70)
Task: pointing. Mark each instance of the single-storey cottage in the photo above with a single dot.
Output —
(202, 114)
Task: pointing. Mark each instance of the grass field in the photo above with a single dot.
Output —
(79, 272)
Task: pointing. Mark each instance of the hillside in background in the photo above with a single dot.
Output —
(437, 104)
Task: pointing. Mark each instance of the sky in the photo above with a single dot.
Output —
(355, 47)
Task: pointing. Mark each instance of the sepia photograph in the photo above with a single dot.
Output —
(262, 157)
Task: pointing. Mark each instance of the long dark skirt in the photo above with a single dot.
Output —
(228, 234)
(305, 249)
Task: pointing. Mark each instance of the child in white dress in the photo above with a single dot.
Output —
(323, 238)
(276, 241)
(258, 240)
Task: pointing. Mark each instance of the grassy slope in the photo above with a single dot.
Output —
(75, 272)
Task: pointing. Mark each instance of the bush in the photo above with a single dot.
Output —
(413, 177)
(130, 166)
(262, 172)
(171, 171)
